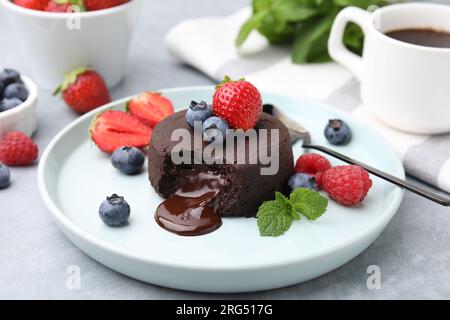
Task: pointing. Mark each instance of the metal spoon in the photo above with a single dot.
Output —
(297, 133)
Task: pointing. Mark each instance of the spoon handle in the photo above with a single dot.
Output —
(385, 176)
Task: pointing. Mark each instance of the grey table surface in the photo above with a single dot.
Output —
(412, 253)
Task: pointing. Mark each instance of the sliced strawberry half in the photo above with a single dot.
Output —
(150, 108)
(113, 129)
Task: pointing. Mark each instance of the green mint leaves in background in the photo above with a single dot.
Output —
(305, 24)
(276, 217)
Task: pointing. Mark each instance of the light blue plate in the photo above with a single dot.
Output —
(75, 177)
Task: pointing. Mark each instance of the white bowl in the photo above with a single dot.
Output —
(22, 118)
(57, 43)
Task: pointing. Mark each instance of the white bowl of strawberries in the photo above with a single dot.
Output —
(58, 36)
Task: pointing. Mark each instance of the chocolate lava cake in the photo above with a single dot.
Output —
(244, 189)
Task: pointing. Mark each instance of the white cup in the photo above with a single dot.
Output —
(57, 43)
(406, 86)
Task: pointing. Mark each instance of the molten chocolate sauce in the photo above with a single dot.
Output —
(193, 209)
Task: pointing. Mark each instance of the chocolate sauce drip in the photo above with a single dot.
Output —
(193, 209)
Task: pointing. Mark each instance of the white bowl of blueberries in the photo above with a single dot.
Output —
(18, 98)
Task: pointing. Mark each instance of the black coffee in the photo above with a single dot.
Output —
(422, 37)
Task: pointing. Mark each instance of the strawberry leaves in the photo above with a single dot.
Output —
(69, 79)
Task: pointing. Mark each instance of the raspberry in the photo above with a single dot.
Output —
(312, 163)
(347, 185)
(17, 149)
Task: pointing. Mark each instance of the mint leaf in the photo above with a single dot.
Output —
(282, 200)
(251, 24)
(286, 203)
(293, 11)
(309, 203)
(353, 37)
(261, 5)
(311, 39)
(276, 31)
(274, 219)
(364, 4)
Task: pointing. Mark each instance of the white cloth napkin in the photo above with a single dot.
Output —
(208, 45)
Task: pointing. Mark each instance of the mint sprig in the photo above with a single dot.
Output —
(275, 217)
(305, 24)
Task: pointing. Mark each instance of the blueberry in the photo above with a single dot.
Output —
(338, 132)
(9, 76)
(114, 211)
(215, 129)
(5, 176)
(301, 180)
(7, 104)
(198, 112)
(16, 90)
(2, 88)
(128, 160)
